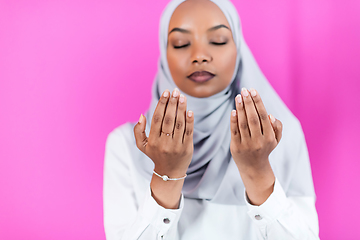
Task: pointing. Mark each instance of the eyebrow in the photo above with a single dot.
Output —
(217, 27)
(182, 30)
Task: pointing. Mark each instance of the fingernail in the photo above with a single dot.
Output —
(190, 113)
(272, 118)
(141, 118)
(166, 93)
(238, 98)
(182, 98)
(233, 113)
(252, 92)
(244, 92)
(176, 92)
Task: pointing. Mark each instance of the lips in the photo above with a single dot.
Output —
(201, 76)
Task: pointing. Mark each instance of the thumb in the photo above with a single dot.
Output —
(140, 135)
(277, 126)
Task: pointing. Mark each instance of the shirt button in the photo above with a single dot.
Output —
(258, 217)
(166, 220)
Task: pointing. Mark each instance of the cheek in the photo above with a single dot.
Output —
(176, 63)
(226, 64)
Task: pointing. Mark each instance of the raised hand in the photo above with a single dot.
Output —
(169, 145)
(254, 135)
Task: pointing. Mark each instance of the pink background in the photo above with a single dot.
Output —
(71, 71)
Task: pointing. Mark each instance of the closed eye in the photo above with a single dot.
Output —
(217, 43)
(182, 46)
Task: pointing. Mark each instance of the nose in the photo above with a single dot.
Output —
(200, 55)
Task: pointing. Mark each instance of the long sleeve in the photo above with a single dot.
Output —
(281, 217)
(124, 216)
(289, 212)
(130, 212)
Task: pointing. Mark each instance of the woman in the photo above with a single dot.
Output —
(218, 170)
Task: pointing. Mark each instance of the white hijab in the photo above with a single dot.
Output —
(212, 174)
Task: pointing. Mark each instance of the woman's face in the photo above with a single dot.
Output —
(201, 52)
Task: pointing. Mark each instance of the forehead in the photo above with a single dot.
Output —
(193, 14)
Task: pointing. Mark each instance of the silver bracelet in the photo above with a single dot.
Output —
(166, 178)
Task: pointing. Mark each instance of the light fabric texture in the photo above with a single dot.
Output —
(131, 213)
(213, 205)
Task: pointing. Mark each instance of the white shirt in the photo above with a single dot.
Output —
(130, 212)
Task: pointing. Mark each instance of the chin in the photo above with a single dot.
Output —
(201, 93)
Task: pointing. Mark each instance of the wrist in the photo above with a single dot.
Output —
(258, 182)
(167, 178)
(170, 173)
(258, 194)
(166, 193)
(253, 167)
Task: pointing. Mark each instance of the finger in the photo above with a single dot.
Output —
(159, 112)
(251, 114)
(234, 128)
(189, 128)
(140, 135)
(167, 127)
(261, 111)
(277, 126)
(242, 120)
(180, 119)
